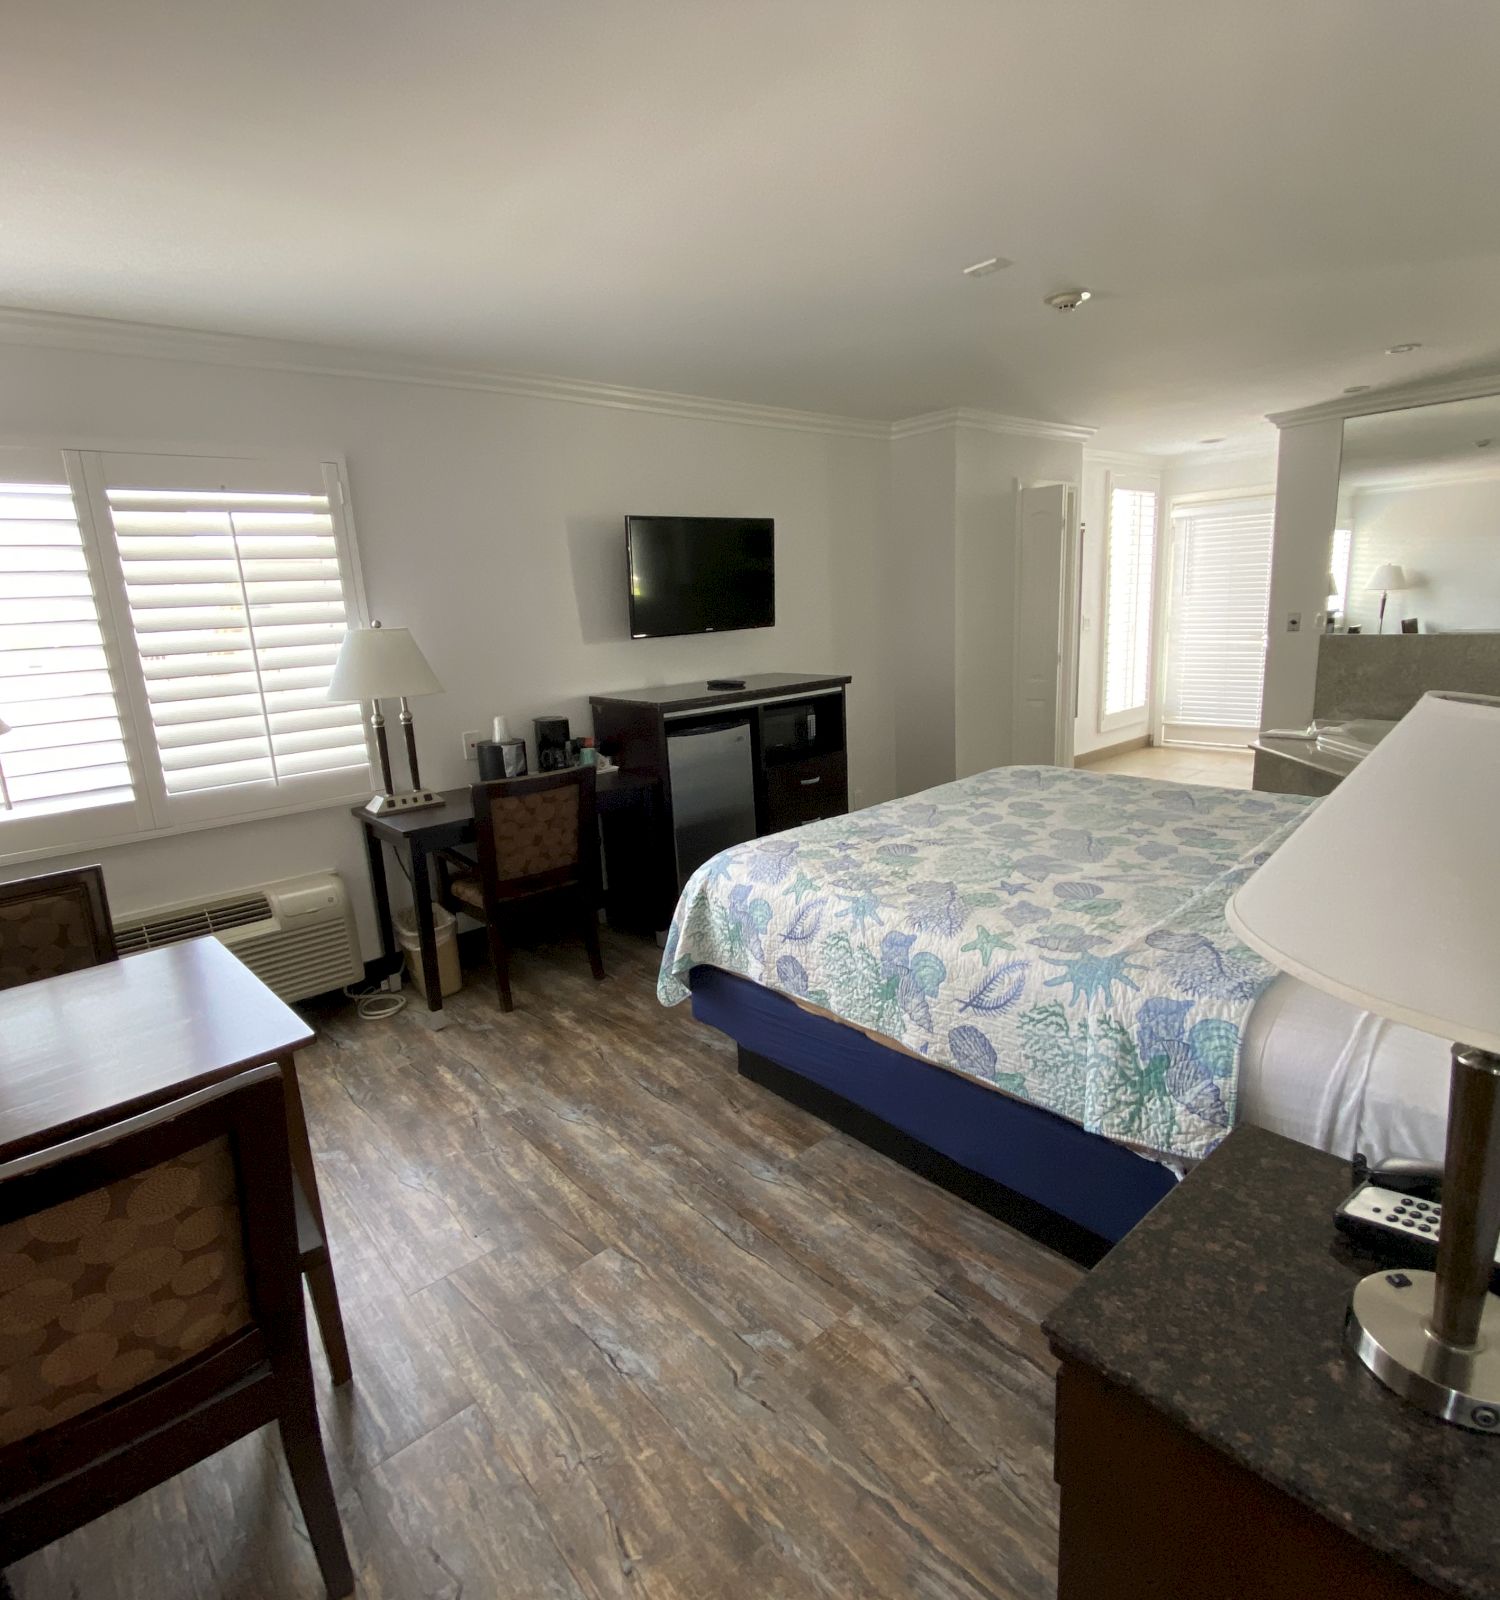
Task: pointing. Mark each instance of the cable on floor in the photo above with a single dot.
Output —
(375, 1004)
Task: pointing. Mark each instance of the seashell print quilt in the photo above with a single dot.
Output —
(1056, 933)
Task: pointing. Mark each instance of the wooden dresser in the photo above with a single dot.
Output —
(796, 779)
(1215, 1441)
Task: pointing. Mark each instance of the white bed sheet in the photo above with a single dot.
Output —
(1324, 1073)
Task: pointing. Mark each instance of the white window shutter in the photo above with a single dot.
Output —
(237, 599)
(1129, 574)
(1216, 645)
(66, 751)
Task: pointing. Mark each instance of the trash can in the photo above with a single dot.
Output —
(445, 926)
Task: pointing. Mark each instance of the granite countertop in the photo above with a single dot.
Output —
(1224, 1309)
(1307, 753)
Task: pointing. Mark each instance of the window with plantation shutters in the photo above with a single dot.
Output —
(64, 749)
(1216, 637)
(236, 605)
(168, 630)
(1129, 573)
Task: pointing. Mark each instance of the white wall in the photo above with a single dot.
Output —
(1307, 493)
(1447, 538)
(990, 470)
(492, 526)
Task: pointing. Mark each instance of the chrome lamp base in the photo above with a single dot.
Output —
(1388, 1328)
(1434, 1337)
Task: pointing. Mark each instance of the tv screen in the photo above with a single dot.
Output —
(700, 574)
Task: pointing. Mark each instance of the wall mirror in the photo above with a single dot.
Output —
(1419, 521)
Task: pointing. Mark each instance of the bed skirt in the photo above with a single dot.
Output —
(1101, 1187)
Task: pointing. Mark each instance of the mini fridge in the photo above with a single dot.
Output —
(713, 791)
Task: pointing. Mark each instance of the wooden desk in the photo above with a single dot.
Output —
(422, 833)
(91, 1048)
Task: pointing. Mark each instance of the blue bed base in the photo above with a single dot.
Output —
(1100, 1186)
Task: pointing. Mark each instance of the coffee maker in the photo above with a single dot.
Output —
(551, 743)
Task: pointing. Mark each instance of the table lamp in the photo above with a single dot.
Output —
(1419, 942)
(1387, 578)
(376, 663)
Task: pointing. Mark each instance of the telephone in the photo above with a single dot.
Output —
(1395, 1211)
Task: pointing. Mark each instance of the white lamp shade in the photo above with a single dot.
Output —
(1331, 584)
(1386, 894)
(1387, 576)
(379, 663)
(4, 725)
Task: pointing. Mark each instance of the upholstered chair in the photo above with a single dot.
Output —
(151, 1314)
(53, 924)
(533, 836)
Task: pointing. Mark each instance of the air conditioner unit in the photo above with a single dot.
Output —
(296, 936)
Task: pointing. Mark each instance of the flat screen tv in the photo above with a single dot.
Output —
(700, 574)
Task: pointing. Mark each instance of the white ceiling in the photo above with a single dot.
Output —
(771, 200)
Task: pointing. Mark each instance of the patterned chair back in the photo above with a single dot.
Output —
(53, 924)
(535, 833)
(131, 1253)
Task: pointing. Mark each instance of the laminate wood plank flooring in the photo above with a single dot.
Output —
(624, 1325)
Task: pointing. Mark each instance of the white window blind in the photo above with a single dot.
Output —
(1216, 640)
(238, 608)
(1129, 568)
(66, 746)
(168, 630)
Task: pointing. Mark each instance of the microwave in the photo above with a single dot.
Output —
(789, 727)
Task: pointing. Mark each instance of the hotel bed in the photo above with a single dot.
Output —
(1029, 972)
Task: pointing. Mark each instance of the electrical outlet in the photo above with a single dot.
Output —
(1294, 622)
(471, 744)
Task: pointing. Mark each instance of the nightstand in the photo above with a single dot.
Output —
(1215, 1441)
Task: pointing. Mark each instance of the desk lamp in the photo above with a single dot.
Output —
(376, 663)
(1419, 943)
(1387, 579)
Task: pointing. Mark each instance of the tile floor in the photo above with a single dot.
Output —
(1231, 769)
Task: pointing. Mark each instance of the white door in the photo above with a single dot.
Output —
(1045, 628)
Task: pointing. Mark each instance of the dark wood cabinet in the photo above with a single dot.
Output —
(806, 791)
(799, 770)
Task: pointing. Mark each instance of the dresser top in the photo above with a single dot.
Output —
(1224, 1309)
(696, 696)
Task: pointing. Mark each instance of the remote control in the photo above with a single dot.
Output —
(1396, 1227)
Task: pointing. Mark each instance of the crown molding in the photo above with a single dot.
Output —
(161, 343)
(1427, 392)
(988, 422)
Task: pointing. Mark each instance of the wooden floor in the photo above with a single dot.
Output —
(625, 1325)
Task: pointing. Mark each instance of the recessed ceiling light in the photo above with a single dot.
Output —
(1356, 388)
(1069, 299)
(1403, 349)
(982, 269)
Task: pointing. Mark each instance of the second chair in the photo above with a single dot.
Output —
(534, 836)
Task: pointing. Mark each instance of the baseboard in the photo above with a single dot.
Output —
(1124, 747)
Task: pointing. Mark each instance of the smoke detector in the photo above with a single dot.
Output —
(1069, 299)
